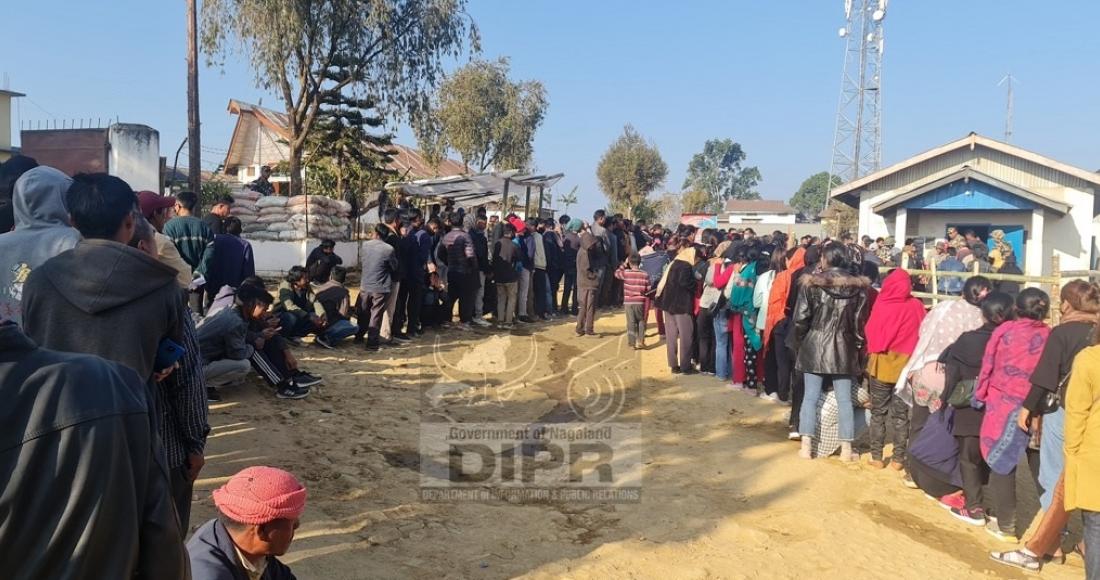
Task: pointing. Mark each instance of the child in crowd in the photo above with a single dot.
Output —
(635, 286)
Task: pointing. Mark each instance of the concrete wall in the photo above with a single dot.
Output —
(278, 257)
(5, 126)
(134, 155)
(760, 218)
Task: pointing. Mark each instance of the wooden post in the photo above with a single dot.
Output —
(1055, 289)
(194, 150)
(527, 204)
(539, 214)
(504, 209)
(935, 284)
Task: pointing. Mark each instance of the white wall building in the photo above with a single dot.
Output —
(752, 212)
(1046, 208)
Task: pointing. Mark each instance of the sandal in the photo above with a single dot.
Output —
(1018, 559)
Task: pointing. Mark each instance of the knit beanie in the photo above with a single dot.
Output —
(574, 225)
(259, 495)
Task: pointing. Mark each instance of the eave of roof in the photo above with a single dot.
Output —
(970, 173)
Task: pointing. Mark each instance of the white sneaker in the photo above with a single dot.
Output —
(482, 322)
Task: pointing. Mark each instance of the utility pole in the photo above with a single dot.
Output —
(194, 150)
(1009, 80)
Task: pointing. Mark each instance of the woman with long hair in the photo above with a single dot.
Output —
(718, 277)
(1010, 358)
(829, 321)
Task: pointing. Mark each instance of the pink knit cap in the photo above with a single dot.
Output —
(258, 495)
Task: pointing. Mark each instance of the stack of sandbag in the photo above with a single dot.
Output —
(244, 206)
(298, 218)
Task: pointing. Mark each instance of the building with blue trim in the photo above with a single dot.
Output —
(1044, 207)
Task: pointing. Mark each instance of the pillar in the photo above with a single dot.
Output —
(901, 222)
(1033, 249)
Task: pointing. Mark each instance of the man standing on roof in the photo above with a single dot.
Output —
(262, 185)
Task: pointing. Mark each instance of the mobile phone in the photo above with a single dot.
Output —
(168, 354)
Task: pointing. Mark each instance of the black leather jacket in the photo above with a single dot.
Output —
(828, 320)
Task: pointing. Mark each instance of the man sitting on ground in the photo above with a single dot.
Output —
(223, 338)
(335, 299)
(299, 313)
(321, 261)
(258, 512)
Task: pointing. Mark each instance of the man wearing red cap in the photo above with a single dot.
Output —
(158, 209)
(258, 514)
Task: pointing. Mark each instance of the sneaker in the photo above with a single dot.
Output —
(213, 395)
(292, 390)
(401, 338)
(482, 322)
(320, 341)
(975, 517)
(793, 436)
(372, 346)
(526, 319)
(907, 481)
(464, 327)
(994, 529)
(774, 398)
(676, 370)
(307, 380)
(1018, 559)
(952, 501)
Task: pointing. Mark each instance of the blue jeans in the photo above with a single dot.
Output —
(722, 346)
(339, 330)
(1052, 456)
(1092, 544)
(807, 416)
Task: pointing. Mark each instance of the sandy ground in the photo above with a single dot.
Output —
(723, 493)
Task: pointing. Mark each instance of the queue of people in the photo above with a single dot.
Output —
(105, 374)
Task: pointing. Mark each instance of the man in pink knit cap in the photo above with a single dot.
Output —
(259, 510)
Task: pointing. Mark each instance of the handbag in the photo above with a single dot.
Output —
(1052, 400)
(962, 394)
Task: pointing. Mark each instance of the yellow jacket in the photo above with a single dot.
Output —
(1083, 432)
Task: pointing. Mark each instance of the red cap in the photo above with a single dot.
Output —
(151, 202)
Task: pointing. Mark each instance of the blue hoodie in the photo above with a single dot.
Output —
(42, 231)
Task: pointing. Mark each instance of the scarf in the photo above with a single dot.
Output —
(781, 288)
(741, 302)
(941, 327)
(895, 319)
(1078, 316)
(1005, 380)
(685, 255)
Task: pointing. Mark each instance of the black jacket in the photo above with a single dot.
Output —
(319, 265)
(505, 256)
(1063, 344)
(678, 296)
(85, 492)
(481, 250)
(828, 321)
(963, 361)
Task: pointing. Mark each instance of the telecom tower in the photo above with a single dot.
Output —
(857, 143)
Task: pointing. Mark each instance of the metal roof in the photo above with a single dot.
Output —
(474, 187)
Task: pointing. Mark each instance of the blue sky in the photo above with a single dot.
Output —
(766, 74)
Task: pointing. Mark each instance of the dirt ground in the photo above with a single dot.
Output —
(723, 493)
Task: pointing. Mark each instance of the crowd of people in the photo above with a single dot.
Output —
(162, 310)
(104, 374)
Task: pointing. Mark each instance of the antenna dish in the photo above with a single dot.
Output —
(870, 37)
(842, 32)
(878, 15)
(882, 5)
(847, 9)
(881, 45)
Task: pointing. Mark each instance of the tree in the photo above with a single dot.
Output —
(484, 116)
(568, 199)
(343, 153)
(629, 170)
(718, 172)
(809, 200)
(309, 51)
(698, 201)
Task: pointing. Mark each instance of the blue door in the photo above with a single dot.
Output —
(1014, 236)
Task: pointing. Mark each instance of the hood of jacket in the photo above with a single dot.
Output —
(99, 275)
(896, 287)
(39, 199)
(836, 282)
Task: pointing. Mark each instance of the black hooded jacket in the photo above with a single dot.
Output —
(829, 320)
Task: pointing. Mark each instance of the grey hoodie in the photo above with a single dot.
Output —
(41, 232)
(107, 299)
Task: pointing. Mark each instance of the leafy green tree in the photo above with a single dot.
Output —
(629, 171)
(485, 117)
(809, 200)
(698, 201)
(345, 156)
(308, 51)
(568, 199)
(719, 172)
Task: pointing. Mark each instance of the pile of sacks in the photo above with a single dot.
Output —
(276, 218)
